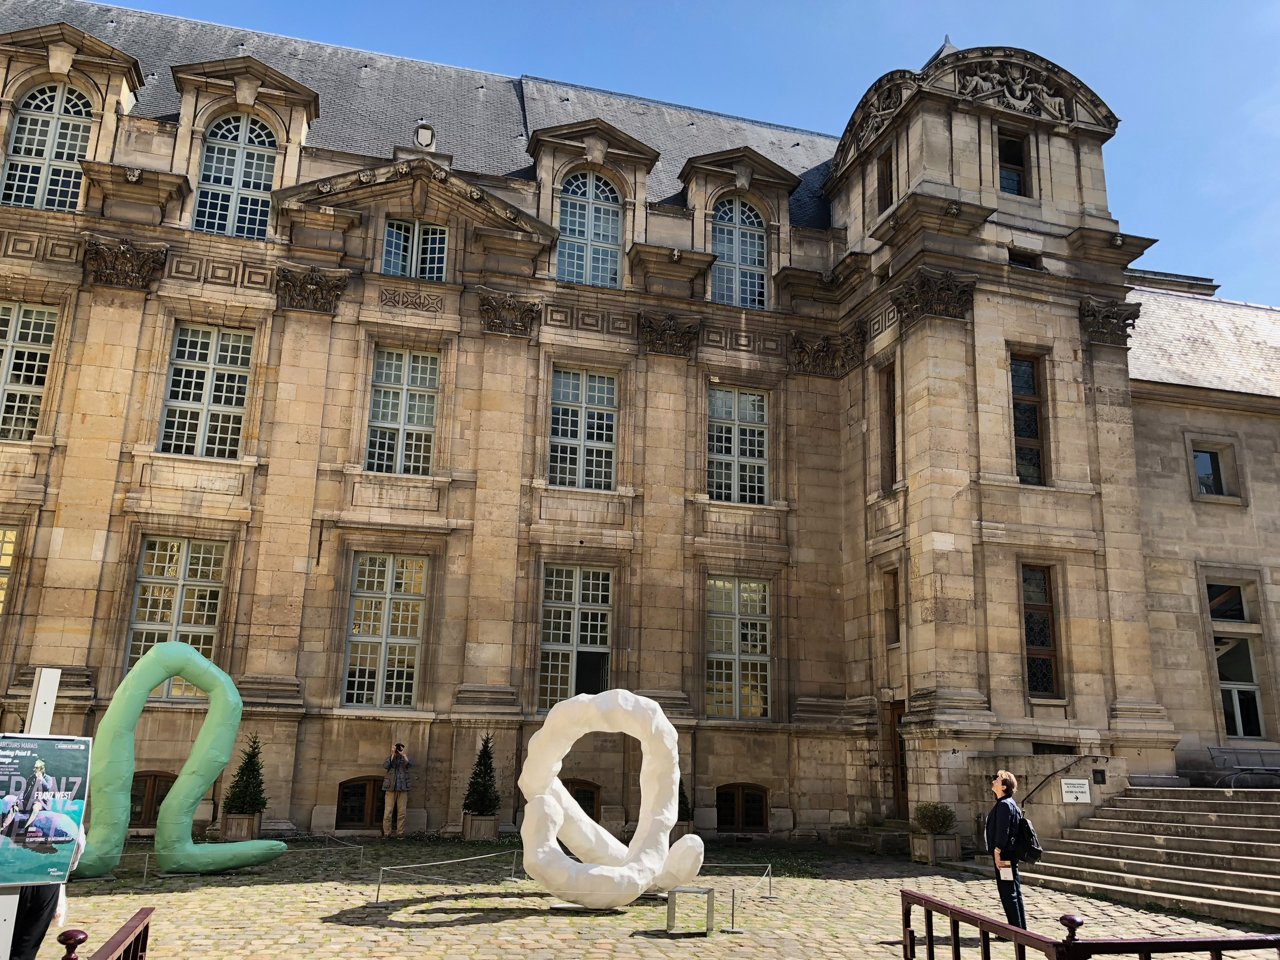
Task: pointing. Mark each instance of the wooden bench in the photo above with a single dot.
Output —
(1243, 762)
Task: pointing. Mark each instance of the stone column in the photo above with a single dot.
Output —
(306, 300)
(500, 437)
(944, 676)
(102, 358)
(1136, 717)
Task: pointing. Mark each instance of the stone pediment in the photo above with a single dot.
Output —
(63, 42)
(745, 166)
(249, 78)
(598, 140)
(418, 177)
(1001, 78)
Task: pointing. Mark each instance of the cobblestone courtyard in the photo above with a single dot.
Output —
(319, 902)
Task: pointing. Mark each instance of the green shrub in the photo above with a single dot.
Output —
(483, 799)
(247, 793)
(934, 817)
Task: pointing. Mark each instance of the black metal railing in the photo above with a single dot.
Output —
(1069, 948)
(127, 943)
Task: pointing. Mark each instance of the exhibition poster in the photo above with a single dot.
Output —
(44, 782)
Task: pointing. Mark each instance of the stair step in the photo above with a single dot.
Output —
(1207, 884)
(1218, 909)
(1183, 863)
(1206, 793)
(1218, 847)
(1204, 818)
(1208, 907)
(1137, 825)
(1198, 806)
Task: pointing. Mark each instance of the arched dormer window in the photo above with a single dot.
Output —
(590, 248)
(235, 178)
(50, 138)
(737, 240)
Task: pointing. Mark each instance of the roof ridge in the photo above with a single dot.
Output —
(681, 106)
(1201, 298)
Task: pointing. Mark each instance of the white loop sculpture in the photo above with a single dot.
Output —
(610, 875)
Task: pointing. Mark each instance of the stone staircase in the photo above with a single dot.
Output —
(1206, 851)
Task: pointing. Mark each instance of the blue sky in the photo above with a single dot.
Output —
(1195, 163)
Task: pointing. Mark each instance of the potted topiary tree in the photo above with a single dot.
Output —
(935, 841)
(480, 806)
(246, 799)
(684, 815)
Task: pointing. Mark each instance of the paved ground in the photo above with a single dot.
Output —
(319, 903)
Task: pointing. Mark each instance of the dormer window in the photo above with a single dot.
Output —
(236, 178)
(50, 138)
(590, 246)
(737, 240)
(411, 249)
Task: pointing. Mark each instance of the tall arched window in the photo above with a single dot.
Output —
(235, 178)
(737, 240)
(590, 246)
(50, 138)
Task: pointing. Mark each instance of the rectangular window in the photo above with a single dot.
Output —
(1235, 634)
(1013, 164)
(8, 543)
(26, 346)
(737, 446)
(402, 412)
(385, 629)
(577, 631)
(1039, 633)
(1215, 473)
(891, 607)
(584, 419)
(208, 389)
(178, 596)
(1029, 434)
(888, 428)
(884, 182)
(739, 648)
(414, 249)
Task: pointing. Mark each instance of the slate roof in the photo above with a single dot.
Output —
(371, 103)
(1200, 341)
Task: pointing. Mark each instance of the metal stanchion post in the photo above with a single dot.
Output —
(769, 876)
(733, 913)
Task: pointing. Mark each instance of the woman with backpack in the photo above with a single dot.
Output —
(1002, 827)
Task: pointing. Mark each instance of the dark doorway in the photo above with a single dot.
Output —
(898, 761)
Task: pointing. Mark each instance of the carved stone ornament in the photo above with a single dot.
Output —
(880, 111)
(1014, 86)
(827, 356)
(122, 263)
(668, 336)
(310, 288)
(1108, 321)
(933, 293)
(411, 300)
(506, 314)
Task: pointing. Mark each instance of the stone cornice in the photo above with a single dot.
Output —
(504, 313)
(660, 268)
(311, 289)
(136, 193)
(1108, 321)
(665, 334)
(933, 293)
(112, 262)
(941, 215)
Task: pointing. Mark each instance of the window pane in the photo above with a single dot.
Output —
(1226, 602)
(1209, 472)
(1234, 662)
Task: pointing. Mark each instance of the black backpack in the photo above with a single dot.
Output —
(1026, 845)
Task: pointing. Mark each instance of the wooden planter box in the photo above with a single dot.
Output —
(932, 847)
(241, 826)
(479, 828)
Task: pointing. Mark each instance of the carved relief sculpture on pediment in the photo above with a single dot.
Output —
(827, 356)
(506, 314)
(668, 336)
(1014, 86)
(310, 288)
(933, 293)
(1108, 321)
(122, 263)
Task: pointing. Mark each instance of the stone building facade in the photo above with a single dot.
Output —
(419, 398)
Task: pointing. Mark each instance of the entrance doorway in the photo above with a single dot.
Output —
(898, 761)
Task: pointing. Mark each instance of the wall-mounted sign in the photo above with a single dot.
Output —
(1075, 791)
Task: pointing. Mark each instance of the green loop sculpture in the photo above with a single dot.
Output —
(111, 771)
